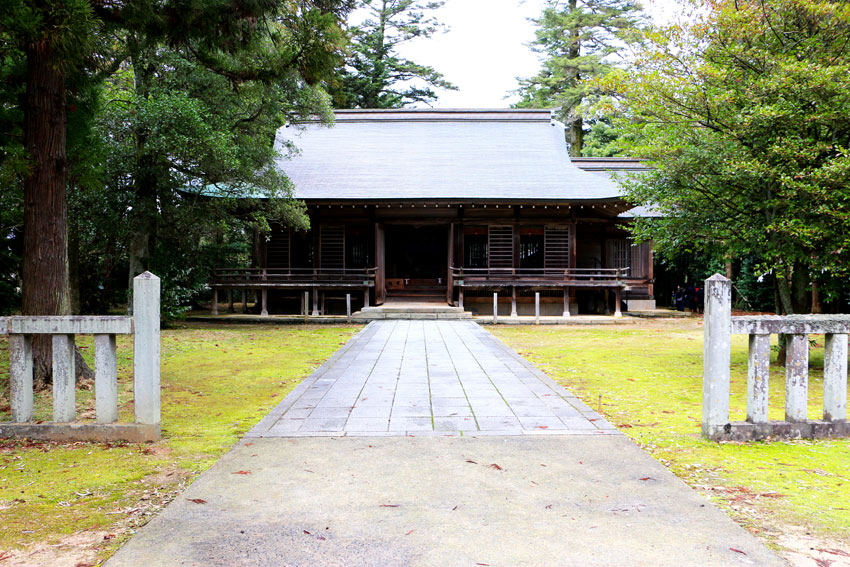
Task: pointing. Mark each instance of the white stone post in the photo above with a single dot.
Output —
(105, 379)
(566, 302)
(20, 373)
(460, 297)
(146, 348)
(758, 378)
(536, 307)
(496, 307)
(617, 298)
(64, 378)
(315, 302)
(348, 307)
(835, 378)
(265, 296)
(716, 355)
(513, 301)
(797, 378)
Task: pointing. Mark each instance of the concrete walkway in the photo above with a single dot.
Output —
(459, 494)
(428, 378)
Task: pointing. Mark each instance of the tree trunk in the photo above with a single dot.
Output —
(787, 307)
(817, 304)
(44, 274)
(45, 263)
(576, 133)
(800, 288)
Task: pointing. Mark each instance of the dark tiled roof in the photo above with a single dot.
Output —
(378, 155)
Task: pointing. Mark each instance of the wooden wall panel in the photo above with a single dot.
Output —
(332, 246)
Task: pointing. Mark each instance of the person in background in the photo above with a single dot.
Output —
(679, 298)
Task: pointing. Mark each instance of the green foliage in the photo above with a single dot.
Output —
(578, 40)
(374, 74)
(745, 116)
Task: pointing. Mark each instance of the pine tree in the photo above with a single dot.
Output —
(578, 40)
(375, 75)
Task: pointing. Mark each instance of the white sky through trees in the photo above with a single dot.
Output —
(485, 49)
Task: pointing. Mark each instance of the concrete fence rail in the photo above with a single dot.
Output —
(144, 326)
(719, 328)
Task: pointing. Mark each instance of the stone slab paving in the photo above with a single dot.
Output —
(421, 378)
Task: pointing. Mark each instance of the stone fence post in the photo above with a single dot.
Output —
(146, 348)
(716, 355)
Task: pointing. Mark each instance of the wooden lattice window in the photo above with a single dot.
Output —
(501, 246)
(621, 253)
(332, 247)
(277, 248)
(557, 247)
(475, 247)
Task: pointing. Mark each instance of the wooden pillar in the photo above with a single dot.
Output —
(265, 311)
(215, 301)
(315, 302)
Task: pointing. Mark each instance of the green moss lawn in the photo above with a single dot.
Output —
(647, 379)
(78, 502)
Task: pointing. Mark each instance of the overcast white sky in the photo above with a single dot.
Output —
(485, 50)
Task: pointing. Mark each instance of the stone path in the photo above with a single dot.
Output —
(428, 378)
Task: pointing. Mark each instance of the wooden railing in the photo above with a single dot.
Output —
(566, 276)
(719, 328)
(270, 277)
(310, 280)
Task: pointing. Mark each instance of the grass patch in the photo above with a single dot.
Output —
(649, 377)
(217, 383)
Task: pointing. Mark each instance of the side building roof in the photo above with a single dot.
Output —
(512, 155)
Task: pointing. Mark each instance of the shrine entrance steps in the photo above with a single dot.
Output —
(397, 309)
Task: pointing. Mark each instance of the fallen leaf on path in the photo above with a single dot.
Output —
(495, 466)
(5, 555)
(241, 472)
(410, 532)
(823, 562)
(737, 551)
(248, 444)
(646, 478)
(308, 533)
(469, 461)
(83, 564)
(455, 508)
(198, 500)
(542, 427)
(321, 537)
(840, 552)
(389, 505)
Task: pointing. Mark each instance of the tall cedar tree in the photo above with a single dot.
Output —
(578, 40)
(745, 116)
(62, 38)
(375, 75)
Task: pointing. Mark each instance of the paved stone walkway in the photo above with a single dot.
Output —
(424, 378)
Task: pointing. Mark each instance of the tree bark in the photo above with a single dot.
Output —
(44, 274)
(45, 263)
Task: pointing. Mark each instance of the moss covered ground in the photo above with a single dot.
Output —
(217, 382)
(647, 380)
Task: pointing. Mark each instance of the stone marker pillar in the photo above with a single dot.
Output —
(348, 307)
(566, 302)
(835, 378)
(536, 307)
(797, 378)
(64, 378)
(146, 348)
(496, 307)
(105, 379)
(758, 378)
(20, 372)
(716, 355)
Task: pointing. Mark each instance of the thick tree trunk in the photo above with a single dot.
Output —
(576, 135)
(45, 262)
(787, 308)
(44, 274)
